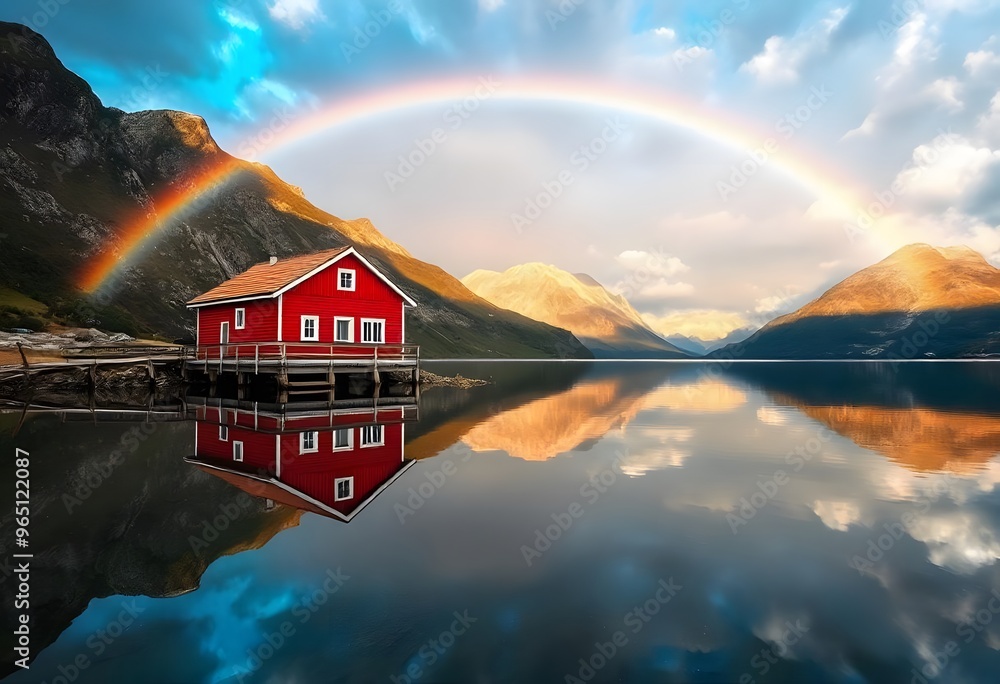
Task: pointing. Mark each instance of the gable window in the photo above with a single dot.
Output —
(372, 435)
(373, 330)
(343, 329)
(308, 442)
(345, 279)
(223, 433)
(238, 451)
(241, 319)
(343, 439)
(343, 488)
(310, 328)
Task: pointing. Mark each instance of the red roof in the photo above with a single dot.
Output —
(264, 278)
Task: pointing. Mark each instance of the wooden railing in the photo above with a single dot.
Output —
(283, 352)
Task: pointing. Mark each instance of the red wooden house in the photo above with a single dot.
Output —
(333, 296)
(331, 463)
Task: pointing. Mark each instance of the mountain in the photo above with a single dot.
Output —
(75, 176)
(920, 302)
(606, 323)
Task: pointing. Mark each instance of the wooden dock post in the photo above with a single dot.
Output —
(331, 378)
(24, 359)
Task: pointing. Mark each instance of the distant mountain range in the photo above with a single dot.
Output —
(921, 302)
(76, 175)
(606, 323)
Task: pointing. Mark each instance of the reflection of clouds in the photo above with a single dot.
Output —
(667, 451)
(772, 415)
(959, 541)
(837, 515)
(705, 396)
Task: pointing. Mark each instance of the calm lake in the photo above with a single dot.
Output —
(570, 522)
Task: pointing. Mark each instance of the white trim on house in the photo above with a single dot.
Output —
(311, 436)
(281, 319)
(381, 436)
(223, 433)
(381, 322)
(240, 318)
(238, 452)
(340, 279)
(350, 439)
(277, 455)
(197, 328)
(402, 324)
(332, 512)
(310, 274)
(302, 329)
(336, 488)
(350, 328)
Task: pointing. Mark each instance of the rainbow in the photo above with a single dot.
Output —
(672, 110)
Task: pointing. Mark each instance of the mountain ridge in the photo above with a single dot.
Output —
(604, 321)
(75, 173)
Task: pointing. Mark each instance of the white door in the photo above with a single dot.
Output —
(224, 333)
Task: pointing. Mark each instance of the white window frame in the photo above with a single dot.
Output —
(240, 319)
(372, 320)
(350, 328)
(354, 279)
(381, 436)
(336, 487)
(350, 439)
(223, 433)
(238, 452)
(315, 442)
(302, 329)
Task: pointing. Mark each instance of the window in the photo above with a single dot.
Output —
(308, 442)
(343, 329)
(343, 488)
(343, 439)
(310, 328)
(223, 433)
(373, 330)
(345, 279)
(241, 319)
(238, 451)
(372, 435)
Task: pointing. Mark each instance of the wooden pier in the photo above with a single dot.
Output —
(298, 368)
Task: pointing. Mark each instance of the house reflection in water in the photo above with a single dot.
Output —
(330, 461)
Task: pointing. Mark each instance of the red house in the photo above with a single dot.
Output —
(333, 463)
(333, 296)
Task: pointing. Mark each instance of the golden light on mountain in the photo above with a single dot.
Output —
(559, 423)
(575, 302)
(920, 439)
(915, 278)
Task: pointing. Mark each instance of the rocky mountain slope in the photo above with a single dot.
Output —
(920, 302)
(75, 176)
(606, 323)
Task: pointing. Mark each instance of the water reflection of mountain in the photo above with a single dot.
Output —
(331, 461)
(532, 427)
(926, 417)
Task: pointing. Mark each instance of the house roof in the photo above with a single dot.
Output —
(269, 280)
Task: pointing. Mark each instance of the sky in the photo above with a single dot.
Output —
(719, 162)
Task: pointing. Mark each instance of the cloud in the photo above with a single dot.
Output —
(652, 263)
(837, 515)
(945, 170)
(783, 58)
(490, 5)
(296, 13)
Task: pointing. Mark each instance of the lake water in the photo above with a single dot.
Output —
(627, 522)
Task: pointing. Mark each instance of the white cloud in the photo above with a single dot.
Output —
(295, 13)
(982, 62)
(663, 289)
(783, 58)
(946, 90)
(490, 5)
(945, 169)
(989, 123)
(665, 32)
(652, 263)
